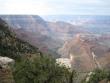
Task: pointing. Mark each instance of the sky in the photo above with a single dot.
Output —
(55, 7)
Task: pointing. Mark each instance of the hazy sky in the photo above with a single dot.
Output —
(48, 7)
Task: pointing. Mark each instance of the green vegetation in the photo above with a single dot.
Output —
(99, 75)
(41, 70)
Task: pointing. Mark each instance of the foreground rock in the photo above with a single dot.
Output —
(5, 70)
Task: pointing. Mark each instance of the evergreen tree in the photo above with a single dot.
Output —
(42, 70)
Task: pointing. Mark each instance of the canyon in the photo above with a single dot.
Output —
(86, 39)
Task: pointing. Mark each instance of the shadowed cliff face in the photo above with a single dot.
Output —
(10, 45)
(34, 30)
(89, 51)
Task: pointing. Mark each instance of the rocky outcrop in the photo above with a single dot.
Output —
(6, 70)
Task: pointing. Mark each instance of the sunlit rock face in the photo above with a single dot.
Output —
(5, 62)
(6, 70)
(65, 61)
(89, 51)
